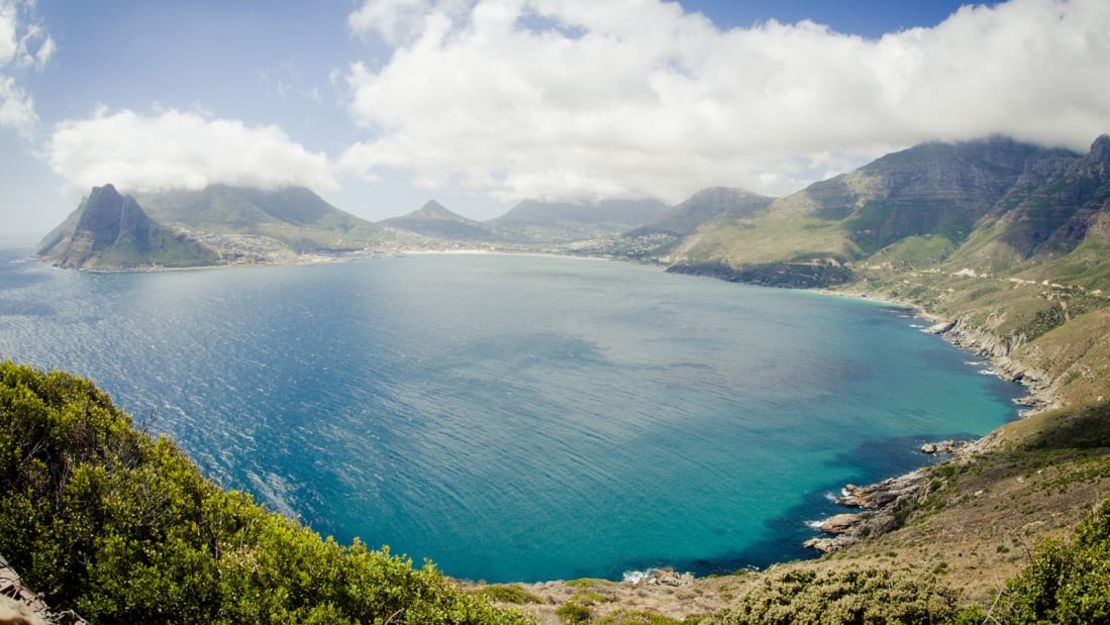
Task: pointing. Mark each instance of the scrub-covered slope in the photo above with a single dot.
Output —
(100, 518)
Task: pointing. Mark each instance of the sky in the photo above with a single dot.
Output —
(379, 105)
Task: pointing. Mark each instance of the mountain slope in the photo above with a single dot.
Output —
(294, 216)
(538, 221)
(109, 231)
(433, 220)
(703, 207)
(918, 205)
(1056, 229)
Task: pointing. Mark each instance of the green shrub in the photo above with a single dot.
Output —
(102, 519)
(1066, 582)
(508, 593)
(638, 617)
(839, 596)
(572, 613)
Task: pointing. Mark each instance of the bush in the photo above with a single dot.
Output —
(102, 519)
(508, 593)
(638, 617)
(573, 614)
(840, 596)
(1066, 582)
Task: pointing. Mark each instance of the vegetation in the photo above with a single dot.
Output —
(573, 613)
(1067, 582)
(640, 617)
(508, 593)
(843, 595)
(100, 518)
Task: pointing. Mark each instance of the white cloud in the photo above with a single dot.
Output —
(401, 21)
(173, 149)
(16, 108)
(569, 98)
(23, 43)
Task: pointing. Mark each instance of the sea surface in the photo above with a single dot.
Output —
(514, 418)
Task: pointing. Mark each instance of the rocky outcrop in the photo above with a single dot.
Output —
(20, 606)
(941, 447)
(660, 577)
(1000, 351)
(884, 505)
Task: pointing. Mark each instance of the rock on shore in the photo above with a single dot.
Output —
(882, 503)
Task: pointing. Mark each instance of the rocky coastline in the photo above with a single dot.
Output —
(884, 505)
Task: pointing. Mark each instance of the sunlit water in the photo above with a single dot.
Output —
(514, 417)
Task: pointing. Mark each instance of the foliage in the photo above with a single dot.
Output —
(508, 593)
(1066, 582)
(572, 613)
(639, 617)
(841, 596)
(124, 529)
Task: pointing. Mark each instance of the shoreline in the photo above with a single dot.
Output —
(955, 331)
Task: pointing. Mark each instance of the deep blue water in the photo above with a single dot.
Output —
(514, 417)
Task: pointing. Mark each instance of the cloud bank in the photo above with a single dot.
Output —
(180, 150)
(573, 99)
(23, 44)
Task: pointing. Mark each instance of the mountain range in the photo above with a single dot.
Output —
(992, 205)
(989, 206)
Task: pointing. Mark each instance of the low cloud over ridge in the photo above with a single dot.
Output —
(180, 150)
(569, 99)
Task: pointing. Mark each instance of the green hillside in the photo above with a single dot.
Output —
(294, 215)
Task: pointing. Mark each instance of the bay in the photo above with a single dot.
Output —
(514, 418)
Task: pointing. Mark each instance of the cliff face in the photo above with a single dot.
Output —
(1057, 215)
(110, 231)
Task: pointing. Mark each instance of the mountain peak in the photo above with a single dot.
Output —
(109, 231)
(1100, 149)
(434, 208)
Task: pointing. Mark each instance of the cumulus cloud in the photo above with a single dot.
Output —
(180, 150)
(576, 99)
(23, 43)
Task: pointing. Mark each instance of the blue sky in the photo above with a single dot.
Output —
(351, 100)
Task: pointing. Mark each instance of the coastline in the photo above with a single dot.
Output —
(956, 332)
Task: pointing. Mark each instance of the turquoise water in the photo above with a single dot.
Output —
(514, 417)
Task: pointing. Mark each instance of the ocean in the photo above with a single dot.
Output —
(514, 418)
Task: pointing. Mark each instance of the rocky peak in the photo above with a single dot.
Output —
(105, 214)
(1100, 149)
